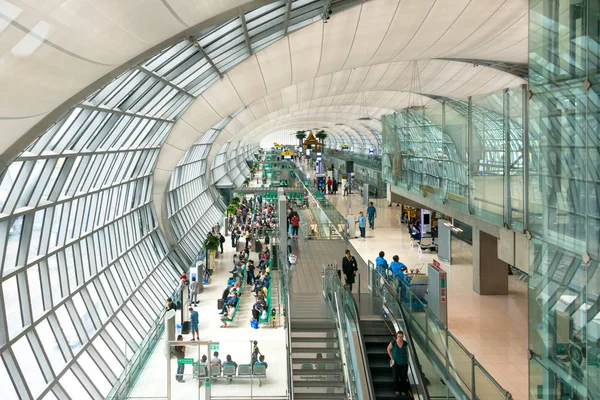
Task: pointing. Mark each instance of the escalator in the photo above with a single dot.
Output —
(377, 335)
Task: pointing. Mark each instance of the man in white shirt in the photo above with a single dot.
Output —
(215, 360)
(194, 290)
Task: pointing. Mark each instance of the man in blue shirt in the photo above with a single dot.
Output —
(361, 224)
(371, 212)
(398, 268)
(381, 263)
(194, 323)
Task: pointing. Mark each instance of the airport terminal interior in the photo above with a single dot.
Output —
(299, 199)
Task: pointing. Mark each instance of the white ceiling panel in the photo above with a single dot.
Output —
(223, 98)
(338, 82)
(305, 46)
(259, 109)
(201, 116)
(437, 24)
(337, 40)
(275, 64)
(375, 19)
(274, 101)
(322, 85)
(357, 78)
(305, 90)
(289, 95)
(407, 20)
(247, 80)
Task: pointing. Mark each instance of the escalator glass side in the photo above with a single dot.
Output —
(458, 367)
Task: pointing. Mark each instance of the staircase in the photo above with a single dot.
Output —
(377, 337)
(316, 363)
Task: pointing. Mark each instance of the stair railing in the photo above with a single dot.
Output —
(352, 351)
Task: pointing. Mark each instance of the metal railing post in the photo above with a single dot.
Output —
(473, 396)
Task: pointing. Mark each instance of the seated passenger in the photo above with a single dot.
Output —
(261, 361)
(215, 360)
(229, 361)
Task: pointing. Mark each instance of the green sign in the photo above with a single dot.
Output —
(214, 347)
(185, 361)
(207, 382)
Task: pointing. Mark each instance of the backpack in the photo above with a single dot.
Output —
(267, 239)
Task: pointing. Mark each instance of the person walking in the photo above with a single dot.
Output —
(349, 268)
(329, 186)
(362, 221)
(335, 186)
(250, 272)
(295, 225)
(371, 213)
(221, 241)
(194, 323)
(180, 353)
(194, 290)
(398, 352)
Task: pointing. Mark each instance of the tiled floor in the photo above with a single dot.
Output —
(493, 328)
(235, 341)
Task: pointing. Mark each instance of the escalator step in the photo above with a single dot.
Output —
(320, 396)
(317, 372)
(320, 384)
(314, 350)
(299, 339)
(304, 360)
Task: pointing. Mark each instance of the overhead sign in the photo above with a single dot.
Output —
(287, 153)
(345, 146)
(214, 346)
(371, 152)
(185, 361)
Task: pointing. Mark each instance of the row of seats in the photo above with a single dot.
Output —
(231, 316)
(243, 371)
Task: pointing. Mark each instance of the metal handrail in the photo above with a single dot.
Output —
(450, 372)
(342, 306)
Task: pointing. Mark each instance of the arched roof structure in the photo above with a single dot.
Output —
(118, 117)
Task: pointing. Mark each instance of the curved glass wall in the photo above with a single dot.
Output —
(564, 210)
(463, 154)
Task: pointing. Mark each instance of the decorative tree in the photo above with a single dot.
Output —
(321, 135)
(301, 135)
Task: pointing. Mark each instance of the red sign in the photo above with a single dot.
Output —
(443, 291)
(436, 263)
(442, 300)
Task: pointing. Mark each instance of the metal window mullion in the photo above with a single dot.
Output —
(24, 298)
(124, 331)
(145, 70)
(91, 308)
(121, 113)
(40, 355)
(86, 382)
(58, 249)
(43, 181)
(76, 321)
(59, 335)
(16, 375)
(18, 187)
(46, 285)
(63, 273)
(102, 365)
(78, 261)
(25, 239)
(208, 59)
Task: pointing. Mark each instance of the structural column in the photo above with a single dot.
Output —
(490, 274)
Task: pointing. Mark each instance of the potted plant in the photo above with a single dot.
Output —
(321, 135)
(246, 182)
(300, 135)
(211, 245)
(231, 209)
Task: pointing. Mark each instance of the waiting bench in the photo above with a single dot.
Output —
(228, 372)
(230, 317)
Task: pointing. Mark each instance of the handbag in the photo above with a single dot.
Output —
(254, 324)
(264, 314)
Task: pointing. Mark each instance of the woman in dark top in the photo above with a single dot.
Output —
(349, 268)
(398, 352)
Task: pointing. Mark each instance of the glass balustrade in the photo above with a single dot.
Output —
(458, 366)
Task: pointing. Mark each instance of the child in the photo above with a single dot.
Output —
(273, 318)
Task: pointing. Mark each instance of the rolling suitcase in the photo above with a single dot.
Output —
(220, 303)
(185, 327)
